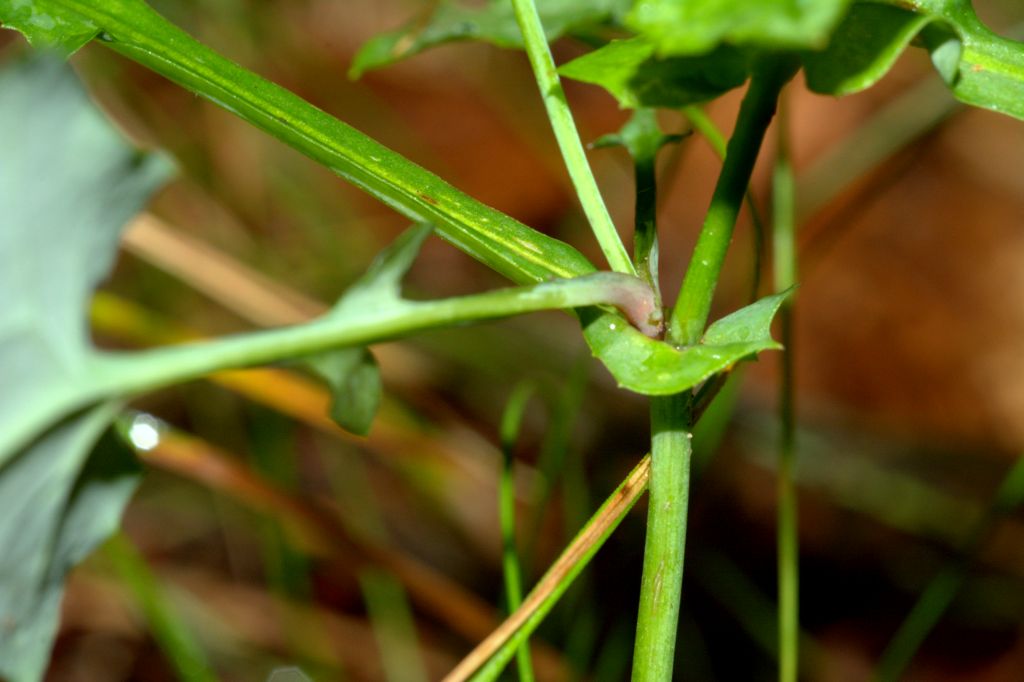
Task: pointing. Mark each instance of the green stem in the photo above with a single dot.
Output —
(783, 207)
(662, 581)
(703, 124)
(568, 137)
(694, 305)
(524, 255)
(510, 425)
(119, 374)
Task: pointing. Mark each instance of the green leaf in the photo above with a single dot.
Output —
(655, 368)
(48, 24)
(68, 182)
(981, 68)
(751, 324)
(59, 504)
(493, 23)
(863, 48)
(352, 373)
(691, 27)
(381, 284)
(636, 77)
(354, 379)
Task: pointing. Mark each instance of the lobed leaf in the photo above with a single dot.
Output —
(656, 368)
(60, 235)
(68, 182)
(632, 72)
(980, 67)
(352, 374)
(692, 27)
(493, 23)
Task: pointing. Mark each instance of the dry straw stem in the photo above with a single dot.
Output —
(627, 494)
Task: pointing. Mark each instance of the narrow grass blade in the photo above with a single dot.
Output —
(171, 633)
(511, 422)
(393, 626)
(943, 588)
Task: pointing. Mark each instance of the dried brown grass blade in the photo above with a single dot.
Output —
(626, 495)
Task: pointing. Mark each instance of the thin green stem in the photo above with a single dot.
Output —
(703, 124)
(118, 374)
(694, 305)
(169, 631)
(510, 424)
(784, 242)
(662, 581)
(373, 321)
(568, 137)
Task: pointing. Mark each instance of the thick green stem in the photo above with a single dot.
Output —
(703, 124)
(694, 305)
(568, 137)
(783, 207)
(662, 581)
